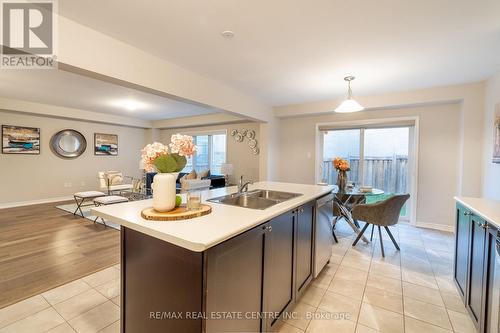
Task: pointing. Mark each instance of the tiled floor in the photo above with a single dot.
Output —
(410, 291)
(359, 291)
(90, 304)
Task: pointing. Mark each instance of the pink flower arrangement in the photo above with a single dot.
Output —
(150, 153)
(182, 145)
(164, 159)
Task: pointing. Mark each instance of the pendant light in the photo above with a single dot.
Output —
(349, 105)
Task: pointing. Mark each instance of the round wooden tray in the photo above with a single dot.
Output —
(177, 214)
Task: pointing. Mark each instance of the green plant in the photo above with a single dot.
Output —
(170, 163)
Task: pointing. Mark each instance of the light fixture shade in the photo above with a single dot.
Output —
(349, 105)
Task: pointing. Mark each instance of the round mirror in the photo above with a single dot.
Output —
(68, 143)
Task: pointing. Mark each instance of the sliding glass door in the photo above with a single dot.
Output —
(345, 144)
(379, 157)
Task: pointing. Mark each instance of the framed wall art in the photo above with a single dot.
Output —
(20, 140)
(496, 136)
(105, 144)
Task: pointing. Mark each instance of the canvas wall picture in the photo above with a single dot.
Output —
(496, 136)
(105, 144)
(20, 140)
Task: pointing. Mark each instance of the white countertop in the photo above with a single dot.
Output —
(486, 208)
(224, 222)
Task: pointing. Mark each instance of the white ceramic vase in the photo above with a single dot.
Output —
(164, 191)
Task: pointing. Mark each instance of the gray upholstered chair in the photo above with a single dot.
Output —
(381, 214)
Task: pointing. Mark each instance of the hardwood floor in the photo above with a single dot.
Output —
(42, 247)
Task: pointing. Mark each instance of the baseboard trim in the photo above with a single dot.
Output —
(34, 202)
(435, 226)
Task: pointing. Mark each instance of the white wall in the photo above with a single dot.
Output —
(270, 149)
(27, 178)
(491, 171)
(238, 153)
(439, 148)
(471, 99)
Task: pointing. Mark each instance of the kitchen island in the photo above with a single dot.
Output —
(234, 270)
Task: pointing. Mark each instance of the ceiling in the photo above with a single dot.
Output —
(292, 51)
(67, 89)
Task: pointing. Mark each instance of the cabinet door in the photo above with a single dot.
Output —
(279, 256)
(305, 234)
(462, 248)
(234, 281)
(492, 292)
(476, 269)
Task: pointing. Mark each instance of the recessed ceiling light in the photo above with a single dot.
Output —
(227, 34)
(129, 104)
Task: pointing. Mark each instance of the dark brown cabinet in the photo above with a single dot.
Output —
(234, 270)
(259, 271)
(305, 241)
(476, 274)
(474, 265)
(462, 249)
(278, 272)
(492, 294)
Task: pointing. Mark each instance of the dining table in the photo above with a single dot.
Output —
(347, 200)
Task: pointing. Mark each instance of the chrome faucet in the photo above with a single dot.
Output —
(243, 186)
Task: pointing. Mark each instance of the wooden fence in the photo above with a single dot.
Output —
(386, 173)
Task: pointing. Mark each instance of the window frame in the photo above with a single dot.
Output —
(210, 134)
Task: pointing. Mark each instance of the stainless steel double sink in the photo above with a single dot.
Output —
(256, 199)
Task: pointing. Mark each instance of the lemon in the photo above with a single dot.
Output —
(178, 200)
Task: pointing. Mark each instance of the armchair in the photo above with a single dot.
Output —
(113, 181)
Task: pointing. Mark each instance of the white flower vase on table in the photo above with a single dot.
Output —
(164, 191)
(168, 161)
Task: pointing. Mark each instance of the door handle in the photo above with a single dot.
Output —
(268, 228)
(485, 225)
(467, 213)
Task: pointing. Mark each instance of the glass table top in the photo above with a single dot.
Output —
(357, 191)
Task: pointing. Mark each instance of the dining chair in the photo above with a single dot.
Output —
(381, 214)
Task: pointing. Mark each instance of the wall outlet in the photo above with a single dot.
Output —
(68, 184)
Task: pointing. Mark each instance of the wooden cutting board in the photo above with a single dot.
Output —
(177, 214)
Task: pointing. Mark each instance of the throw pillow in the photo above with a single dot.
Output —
(204, 173)
(115, 179)
(191, 175)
